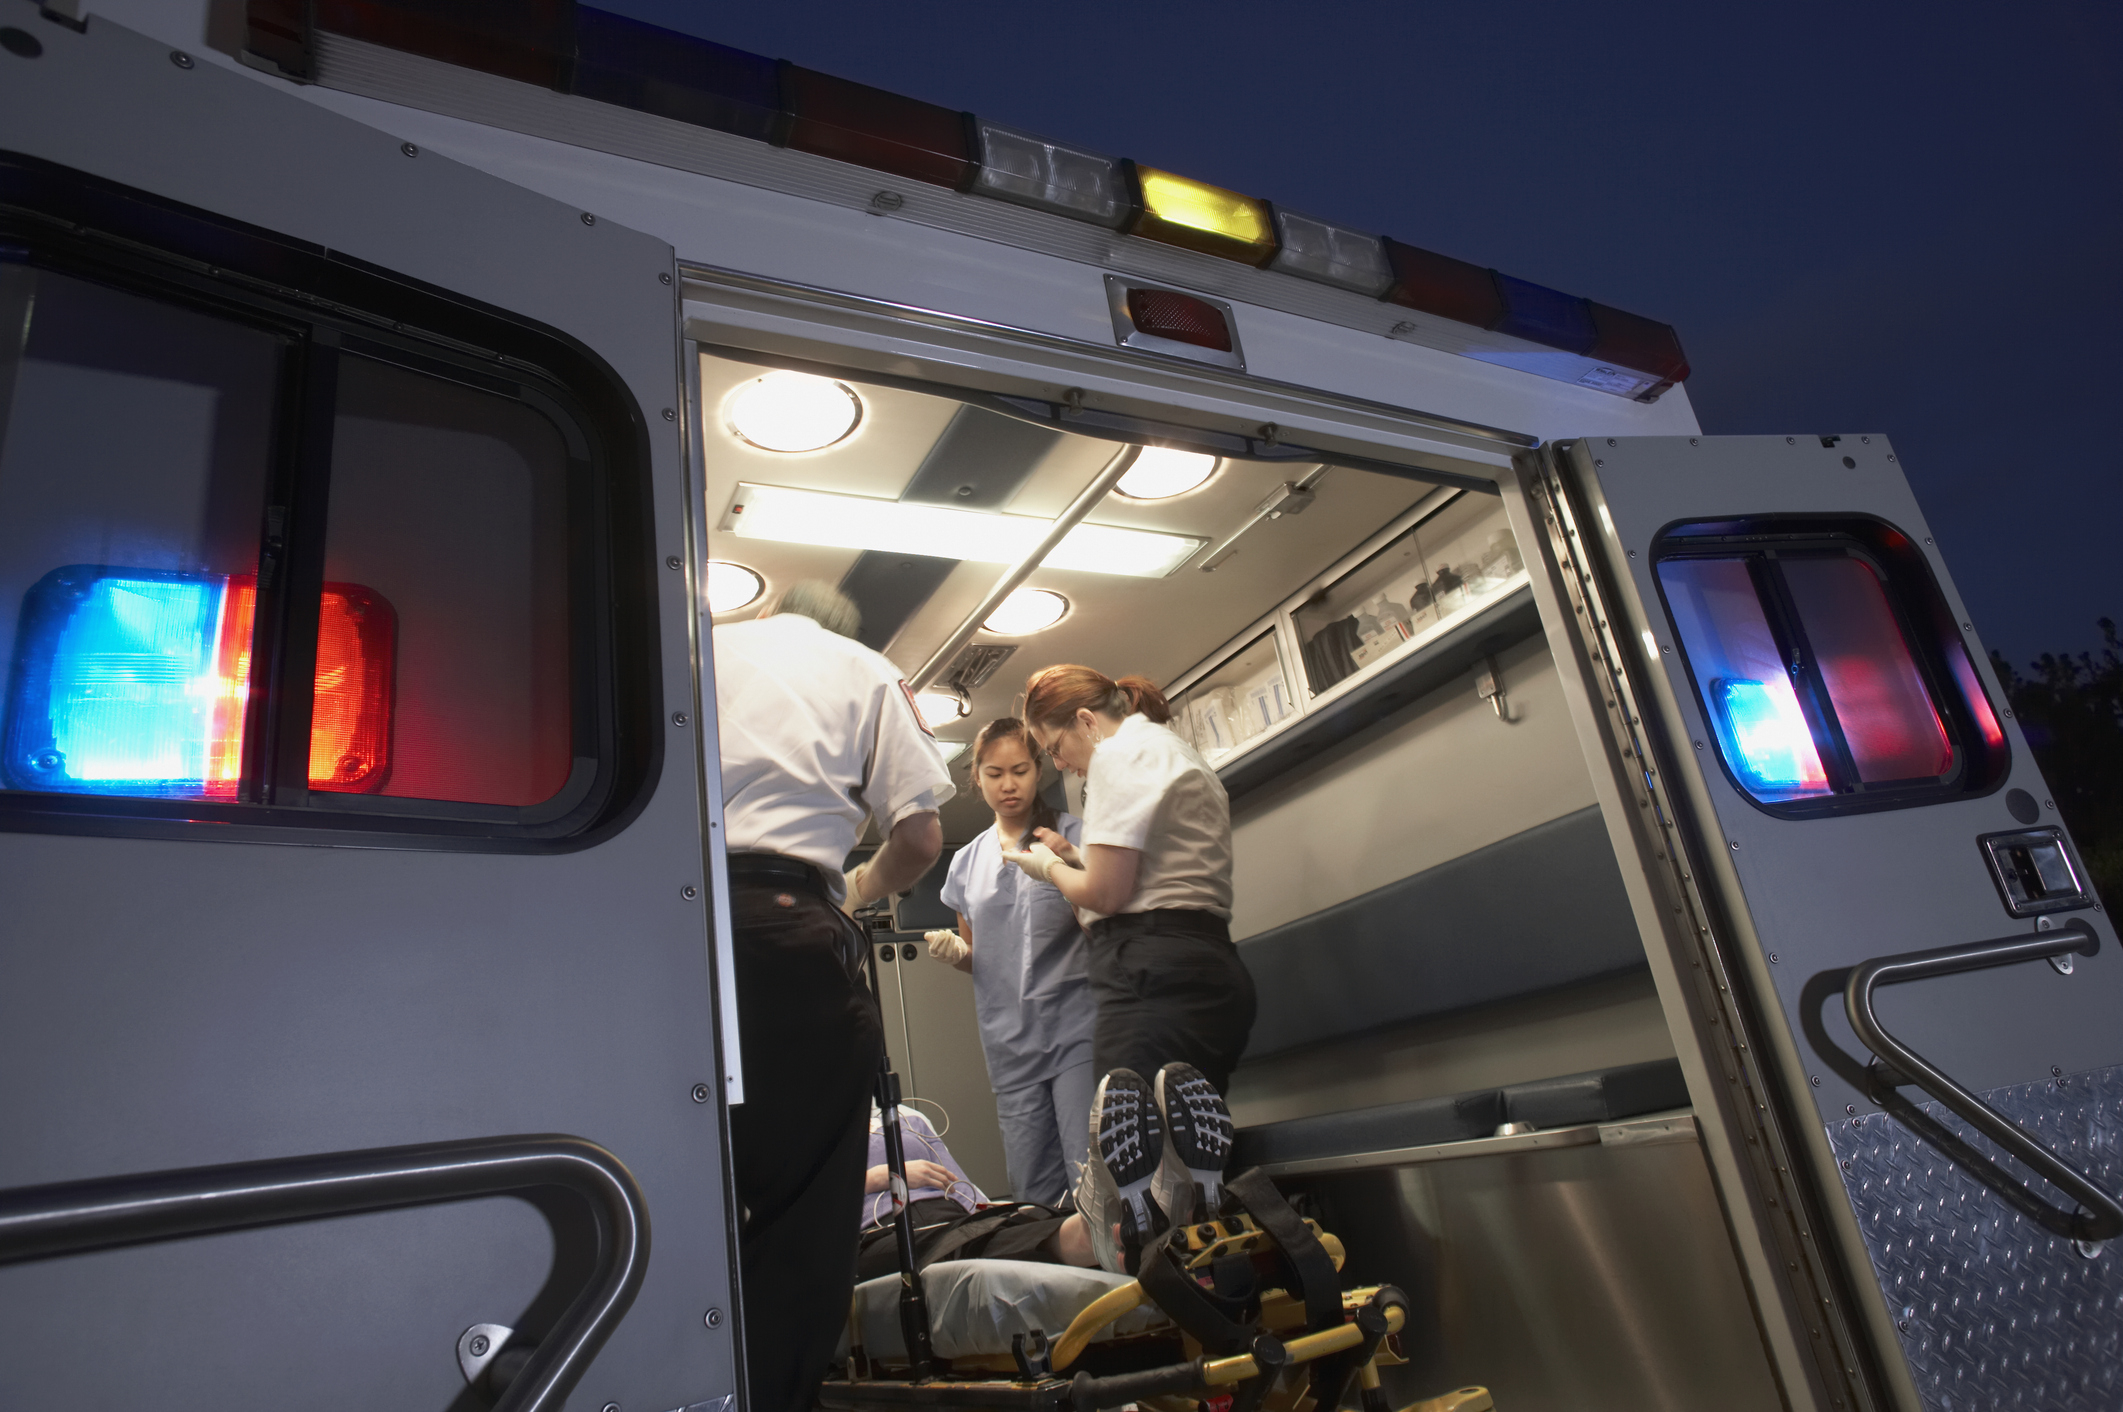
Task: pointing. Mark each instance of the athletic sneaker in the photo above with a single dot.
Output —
(1127, 1149)
(1190, 1177)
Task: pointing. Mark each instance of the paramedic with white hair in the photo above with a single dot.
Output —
(818, 732)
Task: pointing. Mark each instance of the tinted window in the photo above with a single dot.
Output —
(1827, 663)
(134, 458)
(450, 505)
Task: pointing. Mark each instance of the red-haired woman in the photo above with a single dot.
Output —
(1152, 880)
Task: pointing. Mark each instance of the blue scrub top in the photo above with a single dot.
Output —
(1029, 988)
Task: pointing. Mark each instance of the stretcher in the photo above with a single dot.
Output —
(1243, 1313)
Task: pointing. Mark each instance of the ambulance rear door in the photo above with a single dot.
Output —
(351, 798)
(1893, 987)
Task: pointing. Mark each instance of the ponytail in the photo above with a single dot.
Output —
(1145, 699)
(1054, 695)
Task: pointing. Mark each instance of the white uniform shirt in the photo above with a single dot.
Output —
(1148, 790)
(817, 731)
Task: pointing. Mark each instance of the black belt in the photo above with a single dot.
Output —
(1187, 921)
(780, 871)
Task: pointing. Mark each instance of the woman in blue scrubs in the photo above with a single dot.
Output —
(1020, 939)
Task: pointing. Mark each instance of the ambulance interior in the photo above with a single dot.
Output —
(1460, 1065)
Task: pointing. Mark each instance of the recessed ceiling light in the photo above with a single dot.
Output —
(1027, 611)
(950, 749)
(940, 707)
(1162, 472)
(786, 411)
(732, 586)
(792, 516)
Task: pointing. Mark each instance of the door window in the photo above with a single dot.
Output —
(271, 566)
(1827, 665)
(136, 439)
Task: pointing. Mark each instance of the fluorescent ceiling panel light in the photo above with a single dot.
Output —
(786, 411)
(1162, 472)
(1027, 611)
(950, 749)
(732, 586)
(791, 516)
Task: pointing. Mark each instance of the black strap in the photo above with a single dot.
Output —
(1311, 1268)
(1222, 1326)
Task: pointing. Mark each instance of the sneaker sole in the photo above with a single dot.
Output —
(1130, 1139)
(1197, 1126)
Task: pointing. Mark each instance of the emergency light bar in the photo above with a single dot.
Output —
(137, 682)
(791, 516)
(594, 54)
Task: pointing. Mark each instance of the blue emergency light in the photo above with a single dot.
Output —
(1770, 742)
(129, 681)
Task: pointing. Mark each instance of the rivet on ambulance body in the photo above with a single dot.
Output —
(701, 1093)
(690, 892)
(409, 149)
(678, 718)
(1735, 845)
(669, 415)
(1816, 1078)
(181, 59)
(588, 219)
(664, 277)
(714, 1319)
(673, 562)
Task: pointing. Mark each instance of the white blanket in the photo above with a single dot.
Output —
(976, 1305)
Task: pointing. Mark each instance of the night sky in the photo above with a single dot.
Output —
(1897, 218)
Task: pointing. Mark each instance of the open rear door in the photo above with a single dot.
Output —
(1892, 985)
(351, 798)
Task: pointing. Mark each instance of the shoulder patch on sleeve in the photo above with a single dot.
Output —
(915, 707)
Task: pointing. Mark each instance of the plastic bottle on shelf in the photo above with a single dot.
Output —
(1449, 591)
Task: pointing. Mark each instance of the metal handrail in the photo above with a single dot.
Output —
(1905, 1066)
(1028, 563)
(66, 1218)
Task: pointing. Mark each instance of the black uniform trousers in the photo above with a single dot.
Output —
(1169, 987)
(811, 1039)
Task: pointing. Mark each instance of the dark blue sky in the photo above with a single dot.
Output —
(1894, 218)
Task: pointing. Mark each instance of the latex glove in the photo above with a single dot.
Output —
(854, 898)
(1037, 861)
(947, 946)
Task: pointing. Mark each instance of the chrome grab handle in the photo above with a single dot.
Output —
(66, 1218)
(1904, 1065)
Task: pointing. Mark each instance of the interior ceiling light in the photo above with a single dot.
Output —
(732, 586)
(940, 707)
(1027, 611)
(1162, 472)
(950, 749)
(786, 411)
(791, 516)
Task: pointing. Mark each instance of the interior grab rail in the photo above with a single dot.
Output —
(1903, 1065)
(67, 1218)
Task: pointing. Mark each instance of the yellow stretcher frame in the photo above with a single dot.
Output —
(1197, 1380)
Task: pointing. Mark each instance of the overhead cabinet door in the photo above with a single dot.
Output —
(1903, 989)
(343, 804)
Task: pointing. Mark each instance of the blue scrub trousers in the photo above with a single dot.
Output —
(1046, 1133)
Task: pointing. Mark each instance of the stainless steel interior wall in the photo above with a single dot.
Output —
(1595, 1278)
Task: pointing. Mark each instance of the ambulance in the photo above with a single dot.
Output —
(1675, 975)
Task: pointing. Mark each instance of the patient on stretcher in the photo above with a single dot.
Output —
(1157, 1153)
(953, 1218)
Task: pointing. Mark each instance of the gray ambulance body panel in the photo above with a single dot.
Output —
(1962, 1283)
(167, 1004)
